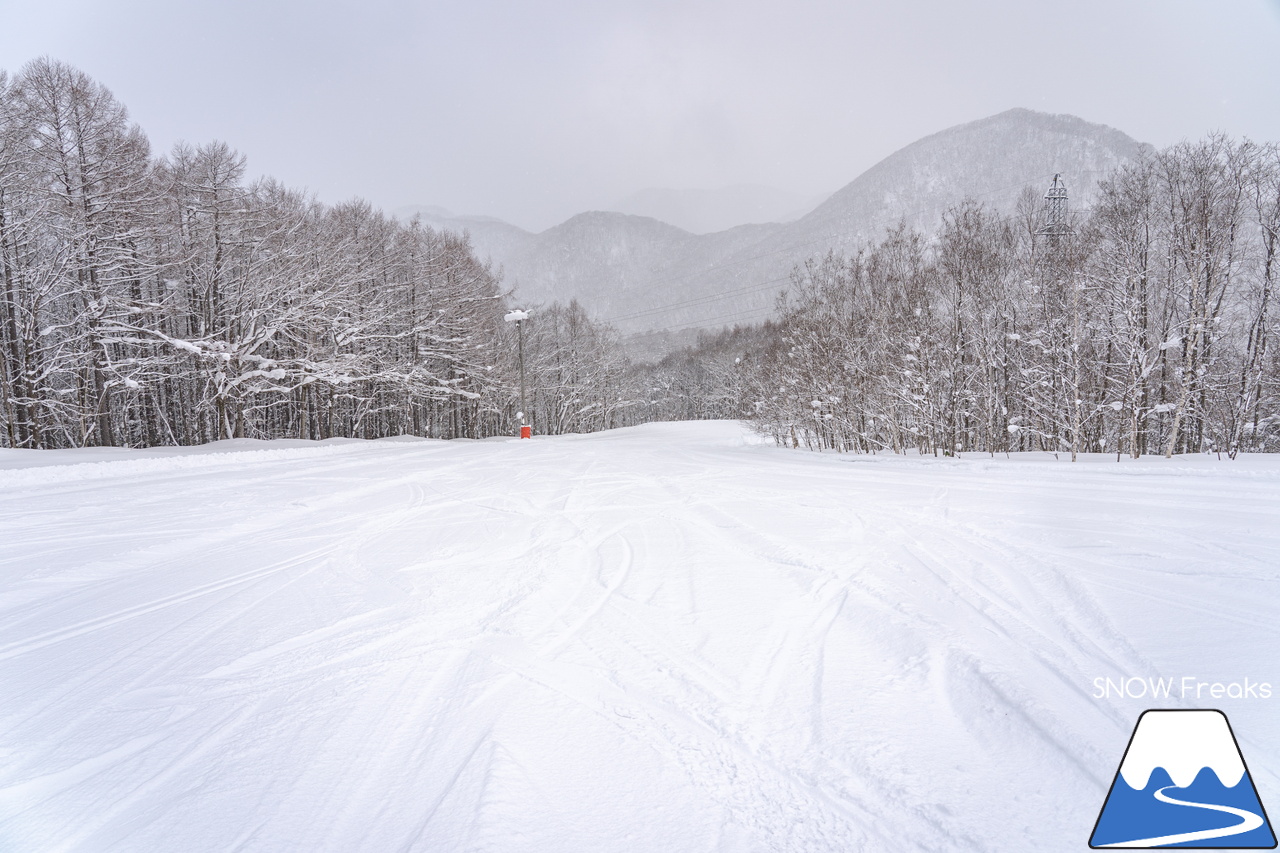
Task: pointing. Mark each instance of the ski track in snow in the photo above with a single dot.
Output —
(663, 638)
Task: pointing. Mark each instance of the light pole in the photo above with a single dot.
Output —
(518, 317)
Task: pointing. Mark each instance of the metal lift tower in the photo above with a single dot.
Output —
(1055, 225)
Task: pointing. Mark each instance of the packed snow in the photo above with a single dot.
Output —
(673, 637)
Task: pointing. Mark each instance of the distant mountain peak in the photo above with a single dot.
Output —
(609, 218)
(706, 211)
(990, 159)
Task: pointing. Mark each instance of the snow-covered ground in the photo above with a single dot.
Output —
(667, 638)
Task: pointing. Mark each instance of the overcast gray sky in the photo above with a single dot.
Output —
(534, 111)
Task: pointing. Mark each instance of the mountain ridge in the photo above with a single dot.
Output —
(645, 274)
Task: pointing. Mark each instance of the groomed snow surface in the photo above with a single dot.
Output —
(666, 638)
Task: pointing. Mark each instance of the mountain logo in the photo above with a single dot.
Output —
(1182, 783)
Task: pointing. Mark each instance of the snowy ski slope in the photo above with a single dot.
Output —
(666, 638)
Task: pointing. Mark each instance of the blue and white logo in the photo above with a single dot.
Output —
(1183, 783)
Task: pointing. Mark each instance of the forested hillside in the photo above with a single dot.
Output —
(1146, 326)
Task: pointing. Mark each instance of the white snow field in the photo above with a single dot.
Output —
(666, 638)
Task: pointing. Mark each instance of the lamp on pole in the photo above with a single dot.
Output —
(518, 317)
